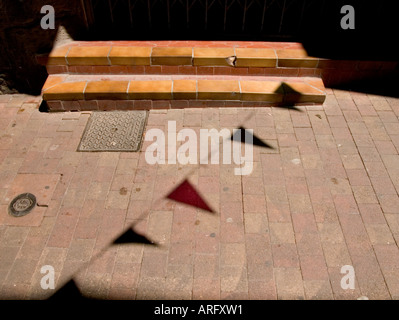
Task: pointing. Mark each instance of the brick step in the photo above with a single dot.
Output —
(107, 92)
(185, 57)
(208, 58)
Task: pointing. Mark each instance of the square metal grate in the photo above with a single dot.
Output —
(117, 131)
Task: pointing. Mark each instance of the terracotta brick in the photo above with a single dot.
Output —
(137, 69)
(142, 104)
(184, 89)
(94, 56)
(161, 104)
(84, 69)
(239, 71)
(204, 70)
(57, 56)
(179, 104)
(302, 92)
(157, 89)
(131, 56)
(187, 70)
(52, 80)
(72, 105)
(169, 69)
(152, 69)
(255, 57)
(88, 105)
(212, 56)
(261, 91)
(218, 90)
(295, 58)
(258, 71)
(106, 90)
(174, 56)
(65, 91)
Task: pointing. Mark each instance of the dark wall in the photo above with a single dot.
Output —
(22, 38)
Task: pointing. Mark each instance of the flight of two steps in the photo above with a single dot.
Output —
(156, 75)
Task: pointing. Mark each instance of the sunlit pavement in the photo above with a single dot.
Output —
(323, 197)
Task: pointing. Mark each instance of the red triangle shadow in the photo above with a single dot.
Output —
(186, 193)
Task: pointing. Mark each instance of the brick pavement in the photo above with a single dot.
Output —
(325, 196)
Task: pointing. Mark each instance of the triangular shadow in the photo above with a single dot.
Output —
(243, 135)
(187, 194)
(68, 292)
(130, 236)
(290, 97)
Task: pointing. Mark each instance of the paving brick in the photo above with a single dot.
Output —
(181, 253)
(8, 254)
(21, 272)
(370, 278)
(233, 279)
(64, 228)
(371, 213)
(256, 223)
(206, 289)
(358, 177)
(281, 232)
(125, 275)
(254, 204)
(14, 236)
(300, 204)
(178, 284)
(389, 203)
(32, 247)
(318, 290)
(331, 232)
(379, 233)
(262, 290)
(385, 147)
(285, 255)
(313, 267)
(96, 286)
(364, 194)
(289, 284)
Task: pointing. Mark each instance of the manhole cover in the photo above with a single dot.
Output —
(114, 131)
(22, 204)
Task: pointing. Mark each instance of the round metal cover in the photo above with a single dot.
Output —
(22, 204)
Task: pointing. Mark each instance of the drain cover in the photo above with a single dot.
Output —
(114, 131)
(22, 204)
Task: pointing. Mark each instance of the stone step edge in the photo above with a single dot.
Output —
(114, 55)
(274, 91)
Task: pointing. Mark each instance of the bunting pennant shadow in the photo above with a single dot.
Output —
(130, 236)
(69, 291)
(242, 135)
(291, 96)
(186, 193)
